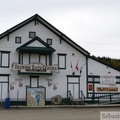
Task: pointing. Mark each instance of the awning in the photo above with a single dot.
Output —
(35, 50)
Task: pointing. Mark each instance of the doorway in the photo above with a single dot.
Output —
(34, 81)
(73, 85)
(3, 93)
(74, 89)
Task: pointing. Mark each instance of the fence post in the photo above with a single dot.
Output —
(93, 98)
(98, 101)
(110, 98)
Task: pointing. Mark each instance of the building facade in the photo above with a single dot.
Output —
(38, 62)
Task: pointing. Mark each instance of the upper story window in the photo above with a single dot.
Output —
(17, 39)
(49, 41)
(4, 59)
(32, 34)
(62, 61)
(27, 58)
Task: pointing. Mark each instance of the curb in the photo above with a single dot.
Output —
(65, 106)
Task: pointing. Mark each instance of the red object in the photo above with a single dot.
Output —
(90, 87)
(77, 67)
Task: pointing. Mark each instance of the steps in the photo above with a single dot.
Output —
(77, 102)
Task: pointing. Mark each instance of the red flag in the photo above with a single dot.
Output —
(76, 67)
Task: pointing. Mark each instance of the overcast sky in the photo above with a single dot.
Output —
(93, 24)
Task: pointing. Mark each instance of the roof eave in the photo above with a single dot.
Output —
(50, 27)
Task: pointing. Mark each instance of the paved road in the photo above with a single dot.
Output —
(54, 113)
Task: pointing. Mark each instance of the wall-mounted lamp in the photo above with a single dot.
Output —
(109, 70)
(73, 54)
(91, 72)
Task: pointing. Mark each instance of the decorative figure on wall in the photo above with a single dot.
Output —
(54, 87)
(20, 84)
(49, 83)
(11, 87)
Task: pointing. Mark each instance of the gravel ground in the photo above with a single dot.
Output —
(54, 113)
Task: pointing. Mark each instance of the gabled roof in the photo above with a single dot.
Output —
(107, 65)
(25, 48)
(37, 18)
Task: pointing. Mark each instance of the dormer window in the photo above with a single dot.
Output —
(32, 34)
(35, 51)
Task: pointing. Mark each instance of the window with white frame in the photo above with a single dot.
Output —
(4, 59)
(17, 39)
(32, 34)
(62, 61)
(49, 41)
(35, 58)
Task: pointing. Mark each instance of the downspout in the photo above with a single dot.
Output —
(87, 75)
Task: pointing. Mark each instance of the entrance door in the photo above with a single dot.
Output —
(73, 85)
(3, 92)
(74, 89)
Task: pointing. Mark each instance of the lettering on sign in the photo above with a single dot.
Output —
(35, 67)
(107, 80)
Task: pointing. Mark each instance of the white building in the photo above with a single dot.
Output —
(35, 56)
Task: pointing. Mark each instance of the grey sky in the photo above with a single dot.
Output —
(93, 24)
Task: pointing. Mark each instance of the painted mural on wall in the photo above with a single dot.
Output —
(36, 96)
(107, 80)
(107, 89)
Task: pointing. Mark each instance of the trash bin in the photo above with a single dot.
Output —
(7, 103)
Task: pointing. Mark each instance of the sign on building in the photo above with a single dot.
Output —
(107, 80)
(35, 67)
